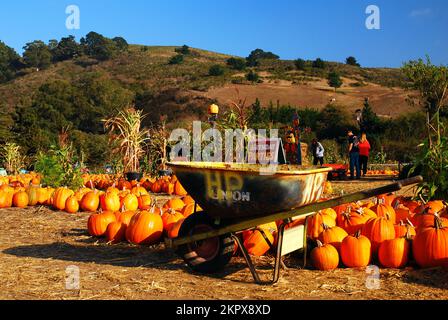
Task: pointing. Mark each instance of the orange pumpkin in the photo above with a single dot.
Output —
(156, 187)
(71, 205)
(110, 201)
(179, 189)
(6, 195)
(20, 199)
(130, 202)
(139, 191)
(384, 210)
(256, 244)
(126, 217)
(145, 228)
(316, 223)
(116, 232)
(325, 257)
(90, 202)
(378, 230)
(333, 236)
(98, 223)
(175, 204)
(170, 217)
(430, 246)
(351, 221)
(173, 232)
(60, 197)
(404, 229)
(144, 202)
(33, 194)
(356, 251)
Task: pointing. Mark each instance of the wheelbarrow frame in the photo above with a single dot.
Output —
(286, 216)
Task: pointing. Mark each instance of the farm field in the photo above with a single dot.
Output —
(38, 244)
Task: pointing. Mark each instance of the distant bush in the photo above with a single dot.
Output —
(183, 50)
(334, 80)
(300, 64)
(216, 70)
(352, 62)
(177, 59)
(237, 63)
(252, 76)
(257, 54)
(319, 64)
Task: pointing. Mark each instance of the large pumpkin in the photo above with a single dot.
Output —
(394, 253)
(351, 221)
(378, 230)
(325, 257)
(170, 217)
(60, 197)
(98, 223)
(384, 210)
(356, 251)
(145, 228)
(430, 246)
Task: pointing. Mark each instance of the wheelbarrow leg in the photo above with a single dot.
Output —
(248, 259)
(278, 254)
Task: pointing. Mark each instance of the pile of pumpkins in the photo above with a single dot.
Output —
(391, 231)
(144, 224)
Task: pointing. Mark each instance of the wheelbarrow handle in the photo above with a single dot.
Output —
(410, 181)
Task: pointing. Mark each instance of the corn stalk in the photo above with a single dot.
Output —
(127, 137)
(12, 157)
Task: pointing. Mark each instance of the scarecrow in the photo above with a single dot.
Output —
(293, 147)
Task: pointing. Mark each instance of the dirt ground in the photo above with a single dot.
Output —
(39, 248)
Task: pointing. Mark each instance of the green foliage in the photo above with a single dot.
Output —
(370, 122)
(236, 63)
(256, 55)
(121, 43)
(300, 64)
(352, 61)
(65, 49)
(100, 47)
(216, 70)
(334, 80)
(319, 64)
(185, 50)
(12, 158)
(177, 59)
(59, 167)
(37, 54)
(334, 121)
(332, 151)
(8, 61)
(252, 76)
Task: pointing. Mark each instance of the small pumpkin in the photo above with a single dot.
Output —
(170, 217)
(110, 201)
(20, 199)
(333, 235)
(179, 189)
(175, 204)
(60, 197)
(405, 228)
(71, 205)
(90, 202)
(116, 232)
(173, 232)
(325, 257)
(130, 202)
(316, 222)
(144, 202)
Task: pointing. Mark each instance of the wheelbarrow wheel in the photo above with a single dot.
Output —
(205, 256)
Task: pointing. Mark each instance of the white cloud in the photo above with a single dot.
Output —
(420, 13)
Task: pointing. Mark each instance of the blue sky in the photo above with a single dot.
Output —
(332, 30)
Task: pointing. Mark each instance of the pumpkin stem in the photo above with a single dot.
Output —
(325, 226)
(409, 223)
(319, 243)
(358, 234)
(438, 222)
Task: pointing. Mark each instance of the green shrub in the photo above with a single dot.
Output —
(216, 70)
(178, 59)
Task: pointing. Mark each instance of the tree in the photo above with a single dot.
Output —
(334, 80)
(237, 63)
(252, 76)
(183, 50)
(431, 82)
(216, 70)
(300, 64)
(36, 54)
(333, 122)
(370, 122)
(98, 46)
(8, 59)
(66, 49)
(319, 63)
(258, 54)
(177, 59)
(352, 61)
(121, 43)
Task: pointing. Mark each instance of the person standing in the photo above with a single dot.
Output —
(364, 152)
(318, 152)
(291, 148)
(353, 151)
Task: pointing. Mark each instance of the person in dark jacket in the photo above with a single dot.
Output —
(353, 152)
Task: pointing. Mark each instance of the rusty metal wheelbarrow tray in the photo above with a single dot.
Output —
(241, 191)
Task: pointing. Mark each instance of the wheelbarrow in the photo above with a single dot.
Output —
(239, 197)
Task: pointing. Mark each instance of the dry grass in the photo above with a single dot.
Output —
(38, 244)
